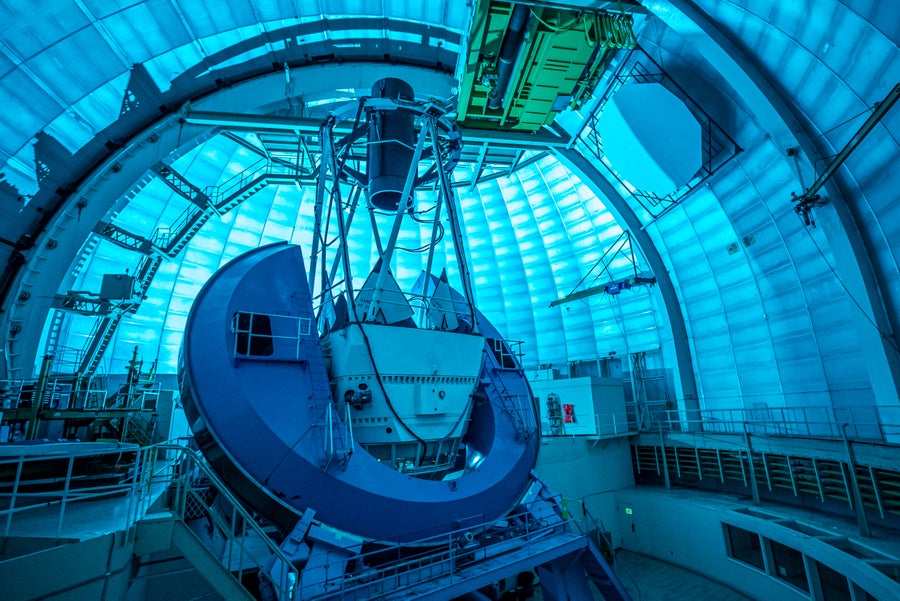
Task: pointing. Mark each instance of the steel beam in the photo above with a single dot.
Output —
(305, 126)
(181, 185)
(811, 196)
(616, 203)
(123, 237)
(122, 171)
(859, 507)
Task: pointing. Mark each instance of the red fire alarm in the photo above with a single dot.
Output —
(568, 413)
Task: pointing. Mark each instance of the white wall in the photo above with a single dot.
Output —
(686, 528)
(592, 470)
(688, 533)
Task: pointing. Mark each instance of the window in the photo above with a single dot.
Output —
(744, 546)
(502, 353)
(834, 584)
(253, 334)
(789, 565)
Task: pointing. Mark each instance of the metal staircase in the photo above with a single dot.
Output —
(218, 535)
(338, 438)
(170, 241)
(139, 430)
(514, 406)
(534, 536)
(457, 570)
(601, 574)
(165, 498)
(216, 573)
(180, 184)
(97, 342)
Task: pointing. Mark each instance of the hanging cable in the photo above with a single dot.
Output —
(888, 338)
(425, 247)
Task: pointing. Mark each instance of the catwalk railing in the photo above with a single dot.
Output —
(47, 489)
(447, 556)
(859, 424)
(863, 424)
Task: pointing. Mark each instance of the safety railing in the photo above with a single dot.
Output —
(139, 396)
(41, 492)
(66, 359)
(508, 352)
(518, 407)
(575, 511)
(600, 425)
(140, 430)
(239, 181)
(858, 423)
(448, 555)
(344, 448)
(616, 423)
(269, 336)
(221, 198)
(64, 393)
(581, 521)
(198, 493)
(40, 484)
(166, 238)
(258, 171)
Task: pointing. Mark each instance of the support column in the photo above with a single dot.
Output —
(858, 508)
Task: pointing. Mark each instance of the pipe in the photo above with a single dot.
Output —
(509, 52)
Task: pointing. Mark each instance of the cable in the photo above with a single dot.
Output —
(388, 399)
(427, 246)
(886, 337)
(846, 121)
(422, 212)
(620, 325)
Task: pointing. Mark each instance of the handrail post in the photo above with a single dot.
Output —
(135, 487)
(299, 334)
(350, 427)
(662, 443)
(138, 496)
(65, 497)
(231, 534)
(858, 506)
(880, 426)
(179, 477)
(753, 485)
(452, 560)
(15, 492)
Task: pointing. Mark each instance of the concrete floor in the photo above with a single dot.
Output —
(648, 579)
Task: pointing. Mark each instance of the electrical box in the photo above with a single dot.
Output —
(586, 406)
